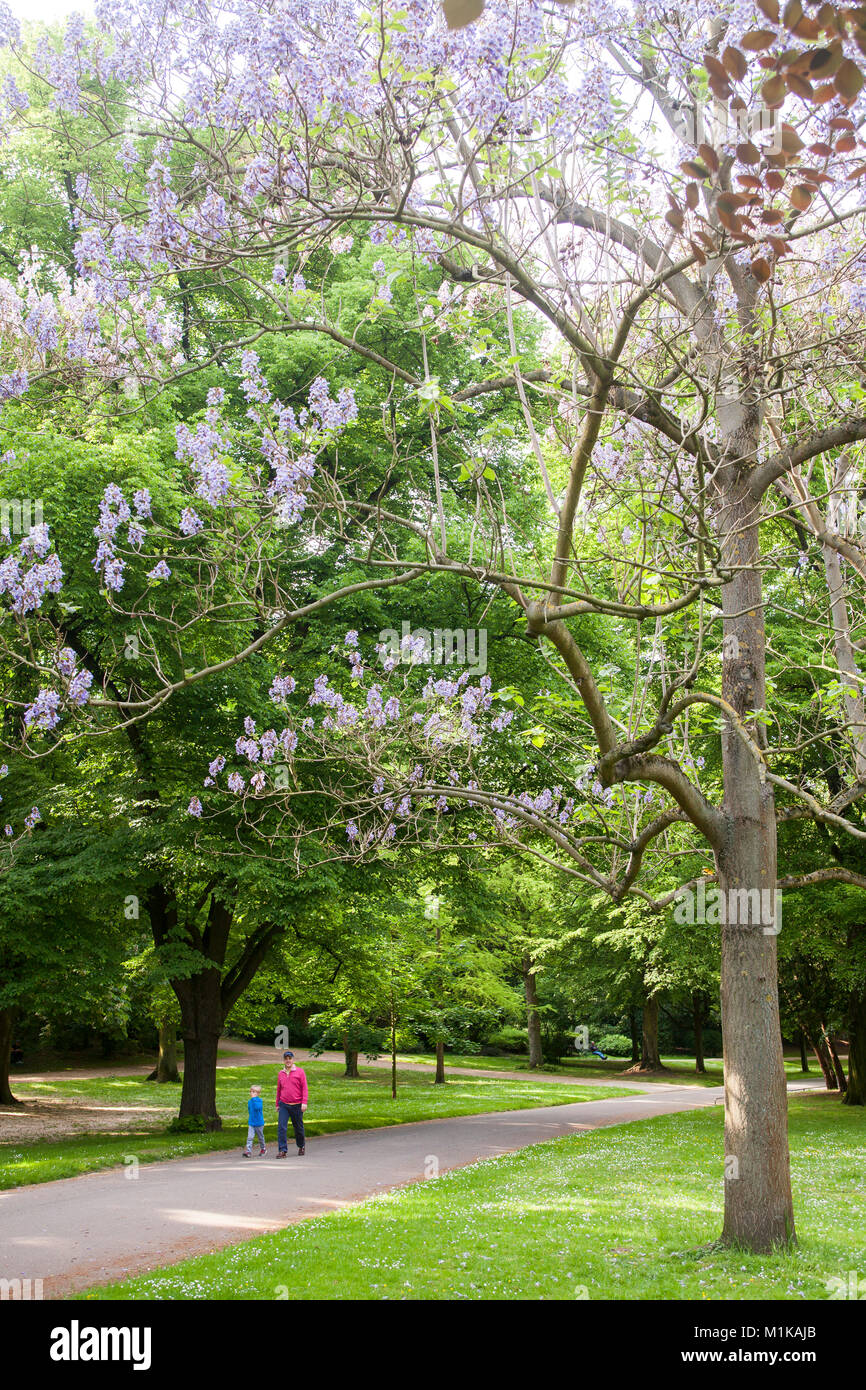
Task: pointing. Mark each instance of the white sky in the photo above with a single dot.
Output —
(49, 11)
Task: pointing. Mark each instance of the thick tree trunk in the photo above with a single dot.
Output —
(7, 1023)
(856, 1092)
(698, 1026)
(351, 1071)
(533, 1017)
(202, 1019)
(649, 1057)
(166, 1066)
(759, 1212)
(439, 1078)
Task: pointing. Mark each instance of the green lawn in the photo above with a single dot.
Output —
(335, 1104)
(681, 1070)
(610, 1214)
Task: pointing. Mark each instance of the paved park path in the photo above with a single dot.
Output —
(104, 1226)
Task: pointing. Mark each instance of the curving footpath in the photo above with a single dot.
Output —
(103, 1226)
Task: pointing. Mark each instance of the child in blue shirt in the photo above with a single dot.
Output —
(256, 1121)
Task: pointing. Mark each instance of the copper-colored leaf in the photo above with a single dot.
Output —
(758, 39)
(770, 8)
(747, 153)
(761, 270)
(774, 180)
(459, 13)
(709, 156)
(714, 67)
(695, 170)
(848, 81)
(750, 181)
(858, 172)
(800, 87)
(825, 61)
(792, 15)
(771, 217)
(774, 90)
(700, 256)
(729, 221)
(826, 92)
(791, 142)
(780, 246)
(845, 144)
(735, 63)
(841, 123)
(720, 89)
(821, 148)
(675, 220)
(731, 202)
(692, 195)
(801, 196)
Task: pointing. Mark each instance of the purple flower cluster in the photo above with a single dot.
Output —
(28, 587)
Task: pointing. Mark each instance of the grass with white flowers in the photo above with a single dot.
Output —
(621, 1213)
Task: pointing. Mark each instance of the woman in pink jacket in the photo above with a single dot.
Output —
(291, 1104)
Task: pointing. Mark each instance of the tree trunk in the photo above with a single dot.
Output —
(698, 1026)
(7, 1023)
(759, 1210)
(841, 1079)
(804, 1057)
(635, 1037)
(439, 1079)
(166, 1066)
(202, 1019)
(351, 1072)
(856, 1092)
(816, 1041)
(649, 1058)
(533, 1017)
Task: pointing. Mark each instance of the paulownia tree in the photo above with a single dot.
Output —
(702, 300)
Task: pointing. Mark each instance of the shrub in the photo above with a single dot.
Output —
(189, 1124)
(614, 1044)
(507, 1039)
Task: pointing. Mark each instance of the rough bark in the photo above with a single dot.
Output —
(351, 1072)
(439, 1078)
(533, 1017)
(202, 1018)
(759, 1212)
(856, 1092)
(7, 1023)
(166, 1067)
(649, 1057)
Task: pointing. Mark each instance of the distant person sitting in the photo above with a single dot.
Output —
(16, 1056)
(291, 1104)
(255, 1121)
